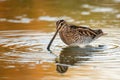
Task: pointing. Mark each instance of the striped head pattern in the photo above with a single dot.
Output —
(60, 24)
(61, 68)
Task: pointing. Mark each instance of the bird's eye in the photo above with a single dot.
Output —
(62, 24)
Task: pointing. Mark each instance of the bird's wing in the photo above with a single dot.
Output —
(84, 31)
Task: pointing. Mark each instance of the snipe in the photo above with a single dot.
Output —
(75, 35)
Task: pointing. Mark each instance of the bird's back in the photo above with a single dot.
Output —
(77, 35)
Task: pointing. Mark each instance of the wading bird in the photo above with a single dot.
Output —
(75, 35)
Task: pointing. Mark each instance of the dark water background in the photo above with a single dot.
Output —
(26, 27)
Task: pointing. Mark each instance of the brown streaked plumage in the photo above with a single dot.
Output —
(75, 35)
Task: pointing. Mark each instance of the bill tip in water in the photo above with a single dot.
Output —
(48, 48)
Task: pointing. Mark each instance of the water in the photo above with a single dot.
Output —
(26, 28)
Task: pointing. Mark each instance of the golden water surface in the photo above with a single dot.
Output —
(26, 27)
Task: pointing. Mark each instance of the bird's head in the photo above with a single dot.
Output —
(60, 24)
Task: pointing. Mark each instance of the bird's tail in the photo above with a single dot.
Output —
(99, 33)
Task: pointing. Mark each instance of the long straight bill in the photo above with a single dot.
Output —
(48, 47)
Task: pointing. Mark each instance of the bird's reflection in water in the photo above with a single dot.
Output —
(71, 55)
